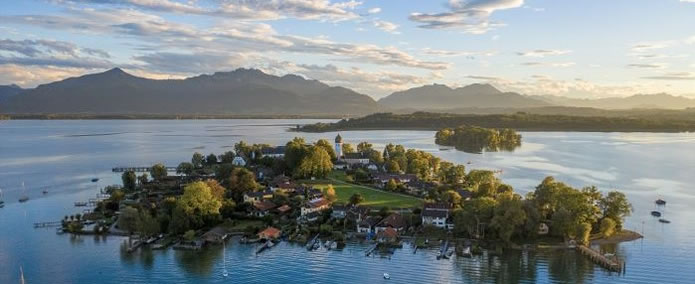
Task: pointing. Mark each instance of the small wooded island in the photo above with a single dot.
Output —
(473, 139)
(303, 192)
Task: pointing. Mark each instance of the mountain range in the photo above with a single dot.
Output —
(252, 92)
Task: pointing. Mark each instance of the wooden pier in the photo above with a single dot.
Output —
(138, 169)
(371, 249)
(614, 265)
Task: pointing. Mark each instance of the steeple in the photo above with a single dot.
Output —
(338, 146)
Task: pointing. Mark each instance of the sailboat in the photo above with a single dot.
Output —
(21, 275)
(224, 259)
(2, 202)
(24, 197)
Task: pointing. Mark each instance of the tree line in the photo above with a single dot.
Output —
(473, 139)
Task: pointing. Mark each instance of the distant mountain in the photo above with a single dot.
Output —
(243, 91)
(653, 101)
(438, 97)
(8, 91)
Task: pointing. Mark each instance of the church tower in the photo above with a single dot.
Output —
(338, 146)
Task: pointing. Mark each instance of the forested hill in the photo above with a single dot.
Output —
(518, 121)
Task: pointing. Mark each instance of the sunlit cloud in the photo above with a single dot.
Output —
(468, 16)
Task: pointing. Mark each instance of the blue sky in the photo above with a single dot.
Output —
(590, 48)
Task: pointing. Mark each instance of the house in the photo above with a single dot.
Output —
(310, 217)
(366, 226)
(437, 214)
(355, 159)
(357, 213)
(309, 193)
(383, 178)
(239, 161)
(262, 208)
(394, 221)
(340, 165)
(284, 209)
(339, 212)
(269, 233)
(216, 235)
(372, 167)
(389, 235)
(543, 229)
(316, 205)
(253, 197)
(273, 152)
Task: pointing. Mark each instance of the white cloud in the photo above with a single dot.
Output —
(454, 53)
(673, 76)
(469, 16)
(543, 53)
(386, 26)
(549, 64)
(546, 85)
(646, 46)
(648, 65)
(374, 10)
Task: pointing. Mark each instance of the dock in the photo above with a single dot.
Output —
(138, 169)
(266, 245)
(371, 249)
(443, 250)
(614, 265)
(311, 244)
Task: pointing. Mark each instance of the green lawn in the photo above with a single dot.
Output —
(372, 197)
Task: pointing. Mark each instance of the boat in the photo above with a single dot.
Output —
(660, 202)
(95, 179)
(334, 245)
(60, 231)
(80, 204)
(45, 192)
(662, 220)
(656, 213)
(466, 252)
(2, 202)
(24, 197)
(387, 276)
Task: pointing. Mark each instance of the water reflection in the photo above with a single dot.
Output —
(199, 263)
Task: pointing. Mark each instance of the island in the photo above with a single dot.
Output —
(330, 193)
(520, 121)
(473, 139)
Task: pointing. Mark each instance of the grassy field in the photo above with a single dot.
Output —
(372, 197)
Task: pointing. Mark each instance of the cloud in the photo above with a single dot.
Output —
(375, 10)
(546, 85)
(193, 63)
(673, 76)
(30, 76)
(51, 53)
(244, 9)
(551, 64)
(386, 26)
(454, 53)
(469, 16)
(484, 78)
(542, 53)
(646, 46)
(647, 65)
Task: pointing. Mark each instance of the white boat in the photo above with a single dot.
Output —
(2, 202)
(24, 197)
(387, 276)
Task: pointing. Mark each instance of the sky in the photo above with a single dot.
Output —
(579, 49)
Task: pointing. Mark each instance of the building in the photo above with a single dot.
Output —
(338, 146)
(239, 161)
(383, 178)
(262, 208)
(389, 235)
(316, 205)
(394, 221)
(437, 214)
(284, 209)
(366, 226)
(215, 236)
(339, 212)
(273, 152)
(253, 197)
(543, 229)
(269, 233)
(355, 159)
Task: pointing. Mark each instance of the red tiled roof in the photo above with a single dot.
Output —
(284, 208)
(388, 233)
(264, 205)
(269, 232)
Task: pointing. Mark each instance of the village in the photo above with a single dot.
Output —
(324, 195)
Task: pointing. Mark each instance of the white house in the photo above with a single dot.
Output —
(436, 214)
(356, 159)
(239, 161)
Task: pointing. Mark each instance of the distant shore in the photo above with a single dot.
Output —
(162, 116)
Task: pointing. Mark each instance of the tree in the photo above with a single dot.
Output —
(227, 157)
(509, 216)
(391, 185)
(364, 147)
(295, 151)
(615, 206)
(197, 160)
(583, 233)
(455, 174)
(196, 206)
(158, 171)
(323, 143)
(129, 180)
(329, 193)
(607, 227)
(211, 159)
(216, 189)
(147, 225)
(356, 199)
(185, 169)
(347, 148)
(189, 235)
(393, 167)
(452, 197)
(128, 220)
(241, 181)
(317, 163)
(142, 179)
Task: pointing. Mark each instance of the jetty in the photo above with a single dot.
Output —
(268, 244)
(48, 224)
(612, 264)
(443, 250)
(138, 169)
(311, 245)
(371, 249)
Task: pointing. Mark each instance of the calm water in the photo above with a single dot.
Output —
(62, 156)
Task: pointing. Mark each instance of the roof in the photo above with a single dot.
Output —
(284, 208)
(264, 205)
(388, 233)
(318, 203)
(434, 213)
(369, 221)
(258, 193)
(278, 150)
(270, 231)
(394, 220)
(355, 156)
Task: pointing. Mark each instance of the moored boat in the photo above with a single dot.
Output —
(387, 276)
(656, 213)
(660, 202)
(662, 220)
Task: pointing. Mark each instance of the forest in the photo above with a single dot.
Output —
(473, 139)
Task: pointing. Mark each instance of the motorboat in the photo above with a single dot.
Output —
(387, 276)
(660, 202)
(662, 220)
(95, 179)
(656, 213)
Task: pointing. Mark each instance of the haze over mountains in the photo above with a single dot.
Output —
(250, 91)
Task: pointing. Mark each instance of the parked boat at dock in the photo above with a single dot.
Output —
(656, 213)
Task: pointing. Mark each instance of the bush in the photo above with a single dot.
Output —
(607, 227)
(326, 229)
(189, 235)
(583, 232)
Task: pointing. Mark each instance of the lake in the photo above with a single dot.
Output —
(63, 156)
